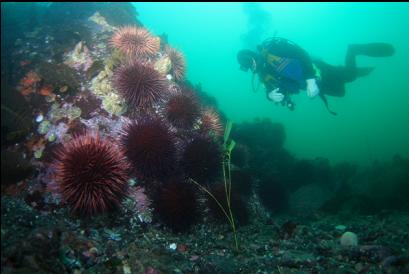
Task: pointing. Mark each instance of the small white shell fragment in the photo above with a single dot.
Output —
(39, 118)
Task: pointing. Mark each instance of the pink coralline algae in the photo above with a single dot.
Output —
(142, 202)
(80, 58)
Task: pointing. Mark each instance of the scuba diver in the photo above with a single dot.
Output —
(284, 68)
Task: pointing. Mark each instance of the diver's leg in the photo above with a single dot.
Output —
(371, 50)
(350, 58)
(332, 80)
(351, 71)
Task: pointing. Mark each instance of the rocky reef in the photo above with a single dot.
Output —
(113, 162)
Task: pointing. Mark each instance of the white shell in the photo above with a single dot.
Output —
(39, 118)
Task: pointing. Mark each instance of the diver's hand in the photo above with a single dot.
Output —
(312, 88)
(276, 96)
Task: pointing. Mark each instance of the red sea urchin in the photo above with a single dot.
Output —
(135, 41)
(92, 174)
(150, 147)
(176, 205)
(178, 63)
(182, 110)
(202, 159)
(139, 84)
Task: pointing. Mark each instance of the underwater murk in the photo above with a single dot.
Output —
(112, 161)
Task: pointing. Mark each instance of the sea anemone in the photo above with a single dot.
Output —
(182, 110)
(135, 41)
(92, 174)
(176, 205)
(139, 84)
(150, 147)
(210, 123)
(178, 63)
(238, 205)
(202, 159)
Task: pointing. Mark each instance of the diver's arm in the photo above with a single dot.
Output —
(275, 95)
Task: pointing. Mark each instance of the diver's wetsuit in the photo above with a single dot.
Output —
(333, 78)
(284, 65)
(300, 67)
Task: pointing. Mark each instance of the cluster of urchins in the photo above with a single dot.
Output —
(162, 147)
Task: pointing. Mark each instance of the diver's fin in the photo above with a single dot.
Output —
(373, 49)
(364, 71)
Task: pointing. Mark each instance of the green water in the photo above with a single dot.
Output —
(373, 117)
